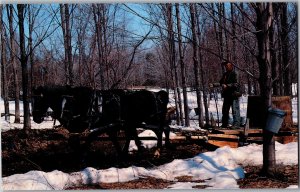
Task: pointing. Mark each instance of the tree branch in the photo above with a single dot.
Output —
(131, 61)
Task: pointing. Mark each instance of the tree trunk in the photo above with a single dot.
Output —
(220, 31)
(10, 11)
(196, 63)
(285, 49)
(279, 81)
(98, 25)
(172, 54)
(204, 87)
(246, 56)
(24, 58)
(215, 28)
(81, 56)
(274, 64)
(264, 13)
(69, 46)
(4, 84)
(65, 24)
(223, 20)
(105, 45)
(233, 26)
(31, 23)
(183, 70)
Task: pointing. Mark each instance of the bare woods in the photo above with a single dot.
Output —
(178, 46)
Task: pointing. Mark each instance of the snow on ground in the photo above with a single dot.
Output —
(5, 125)
(219, 169)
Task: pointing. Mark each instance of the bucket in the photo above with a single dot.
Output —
(275, 119)
(257, 115)
(284, 103)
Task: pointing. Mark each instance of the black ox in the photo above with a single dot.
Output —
(48, 97)
(81, 108)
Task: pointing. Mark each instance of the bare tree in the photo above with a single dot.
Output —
(233, 26)
(264, 16)
(81, 29)
(274, 64)
(246, 55)
(183, 70)
(4, 76)
(10, 15)
(223, 21)
(285, 51)
(30, 27)
(200, 53)
(196, 62)
(65, 24)
(24, 56)
(220, 29)
(25, 73)
(129, 67)
(108, 42)
(99, 25)
(172, 60)
(32, 16)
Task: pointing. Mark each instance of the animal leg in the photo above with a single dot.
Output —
(79, 154)
(159, 143)
(132, 133)
(54, 123)
(137, 140)
(167, 136)
(127, 142)
(113, 137)
(89, 139)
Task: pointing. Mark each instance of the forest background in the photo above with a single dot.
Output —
(176, 46)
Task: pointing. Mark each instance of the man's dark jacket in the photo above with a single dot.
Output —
(230, 79)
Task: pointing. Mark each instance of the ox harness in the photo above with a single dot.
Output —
(96, 110)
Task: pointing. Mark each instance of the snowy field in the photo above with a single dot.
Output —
(219, 169)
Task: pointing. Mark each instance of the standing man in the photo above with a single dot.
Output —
(231, 94)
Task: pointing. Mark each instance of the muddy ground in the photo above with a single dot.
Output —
(56, 149)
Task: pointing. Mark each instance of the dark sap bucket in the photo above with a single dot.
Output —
(275, 119)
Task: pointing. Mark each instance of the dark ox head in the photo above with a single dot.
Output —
(39, 104)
